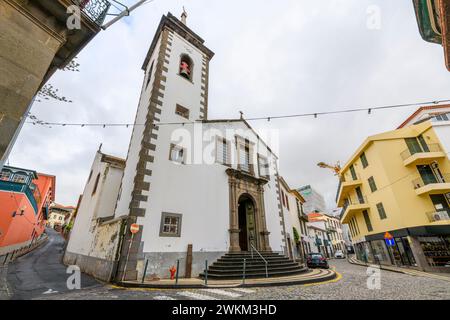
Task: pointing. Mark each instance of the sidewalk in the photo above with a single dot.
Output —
(409, 271)
(310, 276)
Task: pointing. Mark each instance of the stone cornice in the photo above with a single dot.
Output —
(242, 175)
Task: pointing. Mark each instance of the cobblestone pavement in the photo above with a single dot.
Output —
(352, 284)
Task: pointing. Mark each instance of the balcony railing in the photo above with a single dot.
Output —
(96, 10)
(439, 215)
(359, 200)
(433, 147)
(430, 179)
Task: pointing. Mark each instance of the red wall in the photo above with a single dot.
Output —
(20, 228)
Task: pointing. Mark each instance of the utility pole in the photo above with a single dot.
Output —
(124, 13)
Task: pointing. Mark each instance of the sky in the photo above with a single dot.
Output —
(271, 58)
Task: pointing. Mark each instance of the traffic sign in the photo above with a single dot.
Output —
(134, 228)
(390, 242)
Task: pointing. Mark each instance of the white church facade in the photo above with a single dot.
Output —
(199, 189)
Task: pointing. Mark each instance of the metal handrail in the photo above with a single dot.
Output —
(252, 247)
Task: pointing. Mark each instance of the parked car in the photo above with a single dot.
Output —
(314, 260)
(339, 254)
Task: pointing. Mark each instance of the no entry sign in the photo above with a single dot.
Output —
(134, 228)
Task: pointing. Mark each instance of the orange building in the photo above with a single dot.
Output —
(25, 196)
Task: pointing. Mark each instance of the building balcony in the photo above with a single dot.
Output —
(421, 157)
(439, 216)
(430, 185)
(352, 207)
(95, 10)
(345, 187)
(16, 187)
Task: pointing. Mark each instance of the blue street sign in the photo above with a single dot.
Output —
(390, 242)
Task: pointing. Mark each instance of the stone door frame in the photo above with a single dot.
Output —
(244, 184)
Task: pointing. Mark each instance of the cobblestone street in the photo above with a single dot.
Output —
(352, 284)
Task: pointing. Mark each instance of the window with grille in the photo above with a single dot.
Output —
(182, 111)
(176, 154)
(170, 225)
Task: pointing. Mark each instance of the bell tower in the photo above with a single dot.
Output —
(175, 89)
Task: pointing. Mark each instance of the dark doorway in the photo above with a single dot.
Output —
(247, 229)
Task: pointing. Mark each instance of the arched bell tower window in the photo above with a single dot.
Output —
(186, 67)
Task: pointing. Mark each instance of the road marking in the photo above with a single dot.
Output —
(163, 298)
(195, 296)
(223, 293)
(243, 290)
(49, 291)
(338, 277)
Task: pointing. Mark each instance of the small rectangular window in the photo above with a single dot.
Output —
(381, 211)
(372, 185)
(367, 220)
(364, 162)
(182, 111)
(170, 225)
(176, 154)
(263, 167)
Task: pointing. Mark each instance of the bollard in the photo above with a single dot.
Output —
(145, 271)
(243, 273)
(206, 272)
(176, 276)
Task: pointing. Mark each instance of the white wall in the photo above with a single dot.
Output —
(101, 204)
(199, 191)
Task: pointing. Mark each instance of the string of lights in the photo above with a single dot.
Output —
(369, 110)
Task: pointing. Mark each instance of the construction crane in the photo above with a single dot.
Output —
(336, 168)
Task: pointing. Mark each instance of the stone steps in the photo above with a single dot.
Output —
(230, 266)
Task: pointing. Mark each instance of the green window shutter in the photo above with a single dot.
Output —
(373, 186)
(381, 211)
(367, 220)
(364, 160)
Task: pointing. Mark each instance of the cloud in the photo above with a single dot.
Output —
(272, 57)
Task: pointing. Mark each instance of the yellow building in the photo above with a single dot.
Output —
(399, 182)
